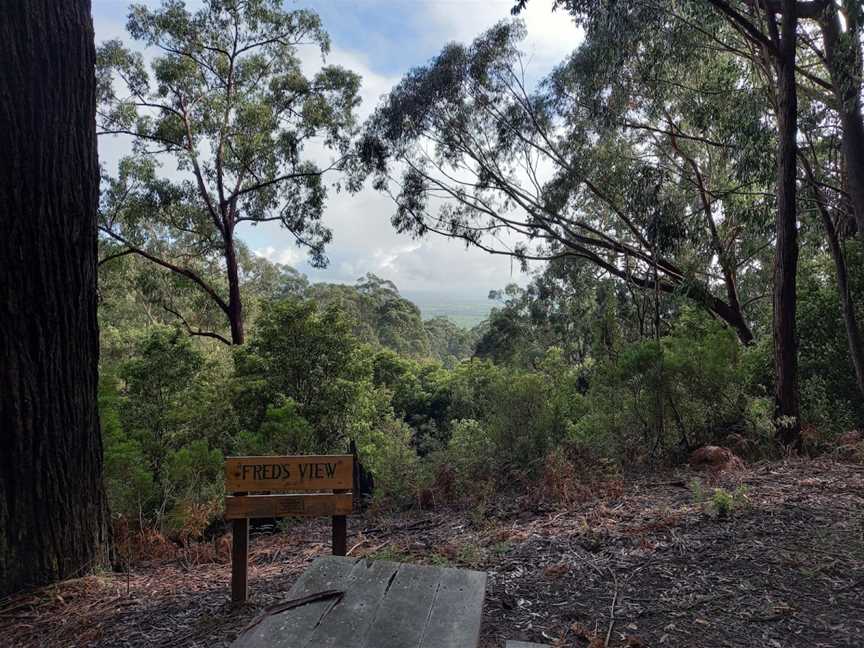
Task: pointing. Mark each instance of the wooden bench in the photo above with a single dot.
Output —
(358, 603)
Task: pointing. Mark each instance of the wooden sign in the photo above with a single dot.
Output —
(333, 474)
(300, 473)
(265, 506)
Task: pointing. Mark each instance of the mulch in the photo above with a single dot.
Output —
(639, 564)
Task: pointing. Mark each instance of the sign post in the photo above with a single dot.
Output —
(261, 487)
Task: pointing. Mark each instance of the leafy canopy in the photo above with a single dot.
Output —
(226, 98)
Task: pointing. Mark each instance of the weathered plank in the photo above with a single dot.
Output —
(305, 472)
(292, 629)
(385, 605)
(351, 621)
(263, 506)
(400, 619)
(525, 644)
(457, 611)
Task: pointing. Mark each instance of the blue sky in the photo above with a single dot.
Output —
(381, 40)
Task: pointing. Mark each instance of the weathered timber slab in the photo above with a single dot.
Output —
(299, 624)
(385, 605)
(456, 604)
(525, 644)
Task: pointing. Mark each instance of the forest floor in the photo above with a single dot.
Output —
(637, 563)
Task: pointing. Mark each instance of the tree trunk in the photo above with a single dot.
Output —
(843, 55)
(235, 304)
(53, 515)
(847, 304)
(786, 395)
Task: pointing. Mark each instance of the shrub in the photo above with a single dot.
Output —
(128, 482)
(687, 390)
(387, 453)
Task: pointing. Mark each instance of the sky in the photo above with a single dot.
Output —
(381, 40)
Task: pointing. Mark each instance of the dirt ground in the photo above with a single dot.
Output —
(643, 562)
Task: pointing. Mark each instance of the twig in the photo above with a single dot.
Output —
(359, 544)
(612, 611)
(677, 482)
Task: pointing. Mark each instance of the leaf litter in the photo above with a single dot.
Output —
(640, 564)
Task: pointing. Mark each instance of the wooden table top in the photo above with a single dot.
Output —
(382, 605)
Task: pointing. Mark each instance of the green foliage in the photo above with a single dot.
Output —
(301, 377)
(196, 471)
(228, 102)
(722, 502)
(613, 184)
(253, 105)
(378, 313)
(128, 482)
(448, 342)
(690, 389)
(158, 457)
(503, 422)
(472, 455)
(830, 400)
(160, 395)
(420, 395)
(387, 453)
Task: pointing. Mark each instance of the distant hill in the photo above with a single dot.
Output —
(463, 311)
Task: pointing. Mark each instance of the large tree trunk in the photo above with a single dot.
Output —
(235, 303)
(53, 516)
(843, 54)
(786, 395)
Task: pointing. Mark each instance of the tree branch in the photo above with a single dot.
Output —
(196, 332)
(185, 272)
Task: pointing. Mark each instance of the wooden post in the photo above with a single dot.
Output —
(340, 532)
(240, 562)
(340, 535)
(329, 477)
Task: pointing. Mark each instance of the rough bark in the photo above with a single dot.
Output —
(786, 394)
(235, 303)
(53, 516)
(843, 55)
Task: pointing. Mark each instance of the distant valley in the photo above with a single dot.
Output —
(463, 311)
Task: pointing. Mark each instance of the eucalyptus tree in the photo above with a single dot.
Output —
(778, 41)
(378, 313)
(842, 39)
(775, 37)
(579, 168)
(53, 511)
(227, 100)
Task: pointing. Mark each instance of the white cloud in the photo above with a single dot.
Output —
(552, 35)
(286, 256)
(364, 240)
